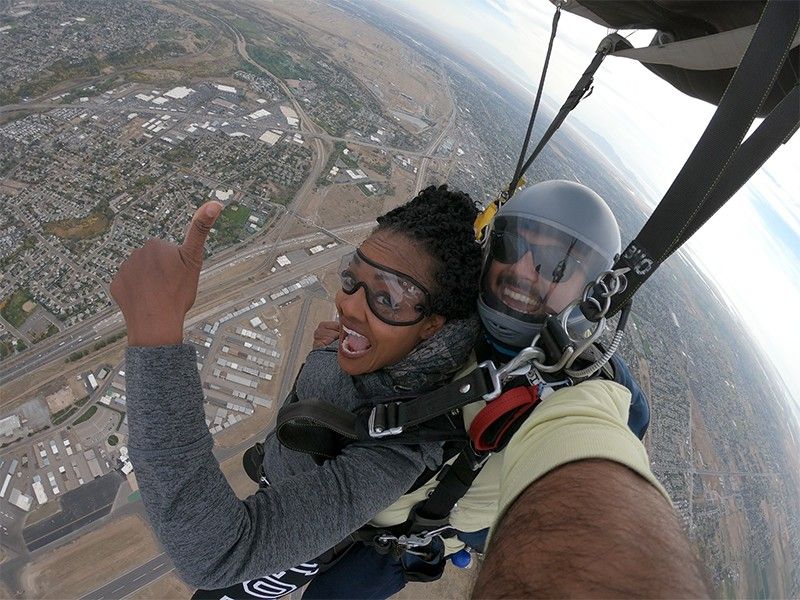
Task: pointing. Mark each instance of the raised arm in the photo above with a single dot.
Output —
(215, 539)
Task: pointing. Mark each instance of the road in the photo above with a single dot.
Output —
(422, 171)
(110, 322)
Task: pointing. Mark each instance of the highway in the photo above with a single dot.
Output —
(109, 322)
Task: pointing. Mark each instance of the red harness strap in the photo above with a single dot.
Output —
(488, 428)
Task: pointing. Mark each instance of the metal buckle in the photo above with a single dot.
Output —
(494, 377)
(378, 430)
(498, 377)
(415, 540)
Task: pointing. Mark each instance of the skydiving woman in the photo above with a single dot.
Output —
(407, 313)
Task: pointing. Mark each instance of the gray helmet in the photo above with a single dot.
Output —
(544, 246)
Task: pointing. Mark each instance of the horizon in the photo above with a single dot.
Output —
(757, 213)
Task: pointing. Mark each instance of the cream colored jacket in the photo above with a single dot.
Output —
(574, 423)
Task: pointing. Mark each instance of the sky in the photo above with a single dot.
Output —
(750, 249)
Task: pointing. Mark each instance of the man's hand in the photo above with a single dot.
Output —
(326, 332)
(157, 285)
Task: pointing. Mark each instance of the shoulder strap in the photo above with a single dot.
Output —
(720, 162)
(322, 429)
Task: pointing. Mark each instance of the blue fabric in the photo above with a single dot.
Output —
(361, 574)
(639, 417)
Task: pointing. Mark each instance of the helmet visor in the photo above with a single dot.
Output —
(393, 297)
(532, 270)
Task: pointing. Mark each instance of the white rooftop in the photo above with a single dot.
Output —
(225, 88)
(179, 92)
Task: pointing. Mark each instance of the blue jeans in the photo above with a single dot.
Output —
(364, 574)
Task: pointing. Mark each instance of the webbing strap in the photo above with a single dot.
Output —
(581, 90)
(489, 427)
(409, 413)
(611, 43)
(519, 170)
(322, 429)
(489, 432)
(720, 163)
(455, 482)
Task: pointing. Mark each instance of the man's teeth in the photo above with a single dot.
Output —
(516, 296)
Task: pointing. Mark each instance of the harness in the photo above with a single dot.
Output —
(322, 430)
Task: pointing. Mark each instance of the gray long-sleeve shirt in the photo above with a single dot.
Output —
(217, 540)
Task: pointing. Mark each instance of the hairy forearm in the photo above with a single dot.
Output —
(591, 528)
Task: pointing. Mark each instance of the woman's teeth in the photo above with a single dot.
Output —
(354, 344)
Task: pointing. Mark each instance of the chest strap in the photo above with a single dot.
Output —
(490, 431)
(321, 429)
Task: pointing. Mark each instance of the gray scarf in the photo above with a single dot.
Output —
(430, 365)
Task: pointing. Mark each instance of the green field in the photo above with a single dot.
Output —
(85, 416)
(230, 224)
(11, 308)
(278, 63)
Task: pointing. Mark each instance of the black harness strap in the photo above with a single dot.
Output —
(322, 430)
(582, 89)
(519, 170)
(720, 163)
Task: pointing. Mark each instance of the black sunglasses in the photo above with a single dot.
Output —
(553, 262)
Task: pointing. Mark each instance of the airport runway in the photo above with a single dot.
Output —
(133, 580)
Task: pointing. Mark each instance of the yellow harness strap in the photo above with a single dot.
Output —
(485, 218)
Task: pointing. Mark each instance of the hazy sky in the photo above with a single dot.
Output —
(751, 248)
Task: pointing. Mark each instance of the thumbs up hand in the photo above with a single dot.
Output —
(157, 285)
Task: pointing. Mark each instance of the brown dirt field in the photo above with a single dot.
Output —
(111, 550)
(24, 388)
(242, 485)
(62, 398)
(345, 204)
(168, 587)
(92, 225)
(370, 55)
(296, 228)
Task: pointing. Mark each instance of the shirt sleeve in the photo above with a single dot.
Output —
(574, 423)
(215, 539)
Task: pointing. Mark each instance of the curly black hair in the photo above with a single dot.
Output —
(442, 220)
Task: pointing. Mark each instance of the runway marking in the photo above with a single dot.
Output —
(114, 591)
(158, 566)
(139, 577)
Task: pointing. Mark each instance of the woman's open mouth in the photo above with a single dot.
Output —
(352, 344)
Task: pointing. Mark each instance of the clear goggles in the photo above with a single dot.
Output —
(393, 297)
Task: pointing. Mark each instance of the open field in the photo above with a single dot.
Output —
(92, 225)
(17, 307)
(168, 587)
(111, 551)
(385, 65)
